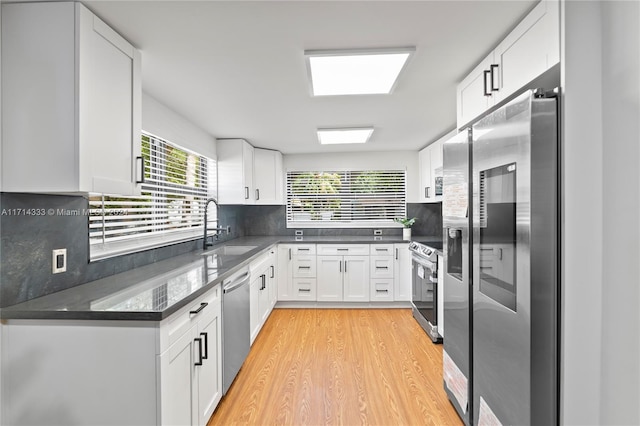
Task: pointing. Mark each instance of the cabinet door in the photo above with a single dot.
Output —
(255, 289)
(109, 96)
(424, 163)
(285, 273)
(210, 372)
(235, 172)
(273, 278)
(329, 283)
(402, 273)
(247, 164)
(474, 93)
(267, 176)
(178, 382)
(530, 49)
(356, 278)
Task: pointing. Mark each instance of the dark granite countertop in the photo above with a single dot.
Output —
(155, 291)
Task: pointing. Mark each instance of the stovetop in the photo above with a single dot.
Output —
(424, 250)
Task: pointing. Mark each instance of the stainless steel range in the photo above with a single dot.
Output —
(424, 265)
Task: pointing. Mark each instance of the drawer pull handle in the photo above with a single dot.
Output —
(305, 290)
(382, 267)
(197, 311)
(200, 358)
(382, 291)
(206, 346)
(343, 249)
(303, 249)
(304, 267)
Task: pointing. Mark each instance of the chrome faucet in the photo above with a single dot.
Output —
(227, 229)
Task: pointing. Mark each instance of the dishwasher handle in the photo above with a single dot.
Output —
(238, 282)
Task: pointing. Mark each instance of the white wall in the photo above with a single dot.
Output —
(161, 121)
(387, 160)
(600, 377)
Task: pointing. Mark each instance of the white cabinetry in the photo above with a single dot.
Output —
(117, 372)
(262, 291)
(191, 368)
(528, 51)
(267, 176)
(402, 272)
(430, 163)
(248, 175)
(296, 272)
(343, 273)
(381, 272)
(235, 172)
(71, 102)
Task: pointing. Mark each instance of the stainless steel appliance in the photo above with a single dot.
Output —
(235, 325)
(424, 265)
(501, 265)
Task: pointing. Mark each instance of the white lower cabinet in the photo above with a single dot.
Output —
(296, 272)
(263, 291)
(190, 372)
(342, 276)
(83, 372)
(402, 272)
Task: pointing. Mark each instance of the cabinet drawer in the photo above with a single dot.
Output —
(303, 249)
(381, 250)
(304, 289)
(381, 266)
(381, 290)
(304, 266)
(180, 322)
(343, 249)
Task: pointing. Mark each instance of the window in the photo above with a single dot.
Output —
(333, 199)
(171, 208)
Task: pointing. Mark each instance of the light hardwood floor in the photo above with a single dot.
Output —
(339, 366)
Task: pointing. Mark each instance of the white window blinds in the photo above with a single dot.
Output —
(171, 208)
(345, 198)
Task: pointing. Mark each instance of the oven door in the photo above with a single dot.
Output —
(425, 289)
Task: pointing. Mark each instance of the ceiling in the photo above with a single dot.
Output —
(236, 69)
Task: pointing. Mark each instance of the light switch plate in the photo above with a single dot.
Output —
(59, 260)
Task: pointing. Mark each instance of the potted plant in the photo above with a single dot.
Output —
(406, 223)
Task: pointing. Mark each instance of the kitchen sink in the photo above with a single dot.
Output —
(230, 250)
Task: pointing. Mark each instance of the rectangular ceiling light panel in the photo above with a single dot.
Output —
(344, 136)
(365, 72)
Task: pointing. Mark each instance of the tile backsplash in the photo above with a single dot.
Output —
(27, 240)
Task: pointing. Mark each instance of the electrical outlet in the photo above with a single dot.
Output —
(377, 232)
(298, 232)
(59, 260)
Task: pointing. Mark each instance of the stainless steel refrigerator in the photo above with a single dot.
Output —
(501, 274)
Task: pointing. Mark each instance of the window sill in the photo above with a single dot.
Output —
(119, 248)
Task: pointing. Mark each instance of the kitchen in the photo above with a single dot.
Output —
(597, 386)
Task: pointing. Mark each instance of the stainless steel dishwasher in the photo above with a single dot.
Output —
(235, 324)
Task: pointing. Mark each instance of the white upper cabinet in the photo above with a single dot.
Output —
(267, 176)
(71, 99)
(235, 172)
(430, 164)
(528, 51)
(248, 175)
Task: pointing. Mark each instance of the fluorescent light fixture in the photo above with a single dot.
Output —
(355, 72)
(344, 136)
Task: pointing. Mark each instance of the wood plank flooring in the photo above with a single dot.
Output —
(342, 367)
